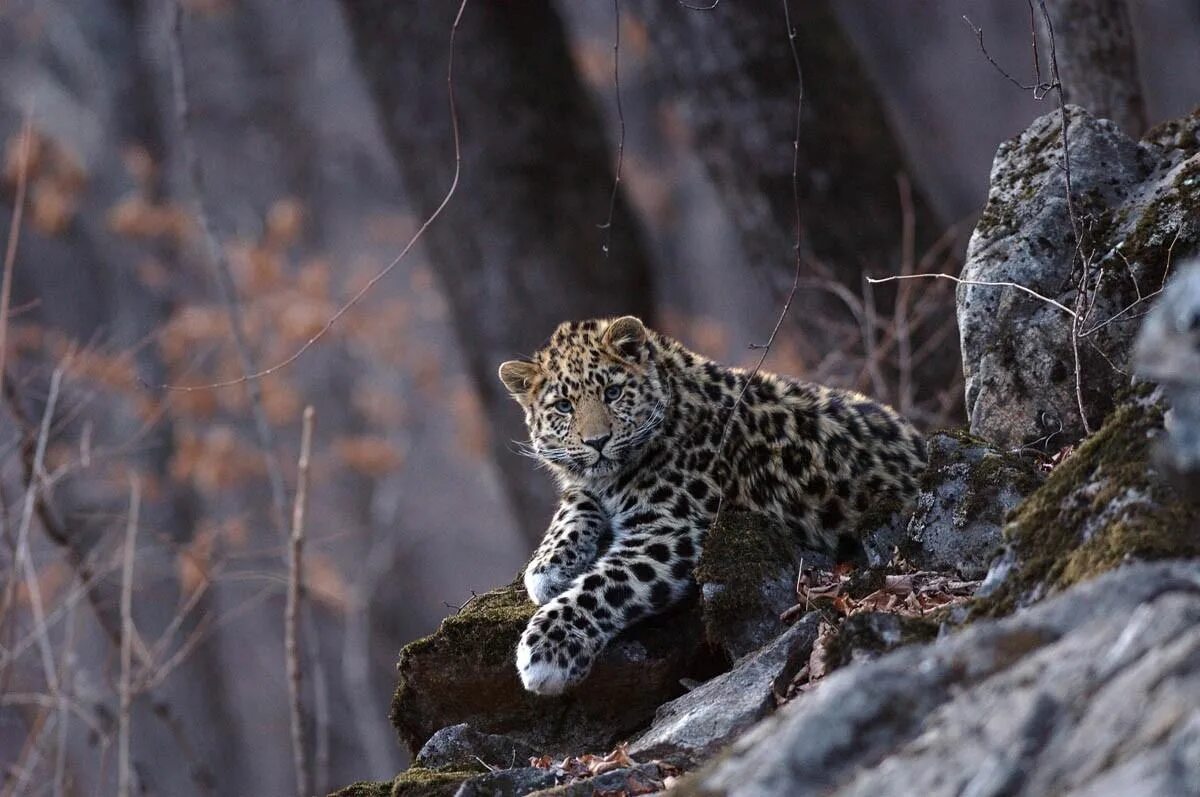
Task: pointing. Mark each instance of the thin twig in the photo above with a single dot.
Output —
(226, 286)
(960, 281)
(14, 233)
(383, 272)
(24, 559)
(124, 760)
(292, 611)
(612, 199)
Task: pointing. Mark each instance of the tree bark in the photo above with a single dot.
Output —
(518, 248)
(733, 70)
(1097, 60)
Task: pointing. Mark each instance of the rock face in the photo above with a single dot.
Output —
(1137, 205)
(965, 493)
(690, 728)
(464, 747)
(1039, 703)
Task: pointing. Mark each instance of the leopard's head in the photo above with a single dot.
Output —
(594, 396)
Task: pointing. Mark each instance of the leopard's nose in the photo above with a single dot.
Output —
(597, 442)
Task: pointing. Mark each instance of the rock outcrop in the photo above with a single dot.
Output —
(1084, 694)
(1136, 206)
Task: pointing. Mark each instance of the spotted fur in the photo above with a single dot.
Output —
(630, 424)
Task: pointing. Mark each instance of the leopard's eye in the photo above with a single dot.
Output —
(563, 406)
(612, 392)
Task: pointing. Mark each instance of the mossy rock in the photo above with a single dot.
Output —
(466, 672)
(413, 782)
(747, 577)
(1103, 506)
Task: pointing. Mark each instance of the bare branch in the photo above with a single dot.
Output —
(960, 281)
(291, 612)
(14, 233)
(612, 199)
(124, 760)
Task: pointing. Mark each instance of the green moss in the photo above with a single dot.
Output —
(741, 552)
(420, 782)
(487, 626)
(366, 788)
(1102, 506)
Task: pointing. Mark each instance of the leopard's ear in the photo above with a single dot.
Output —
(626, 337)
(519, 376)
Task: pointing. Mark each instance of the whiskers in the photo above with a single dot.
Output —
(644, 431)
(544, 455)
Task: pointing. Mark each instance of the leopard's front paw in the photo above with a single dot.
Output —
(554, 654)
(545, 582)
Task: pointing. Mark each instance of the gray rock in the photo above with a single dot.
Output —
(691, 728)
(965, 494)
(463, 746)
(639, 779)
(1092, 692)
(1134, 203)
(508, 783)
(1168, 352)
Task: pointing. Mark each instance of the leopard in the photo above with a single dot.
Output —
(647, 442)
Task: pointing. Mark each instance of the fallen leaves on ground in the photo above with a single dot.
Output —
(840, 594)
(637, 781)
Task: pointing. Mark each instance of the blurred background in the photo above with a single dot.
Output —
(322, 140)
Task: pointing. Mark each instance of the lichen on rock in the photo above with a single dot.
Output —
(1137, 207)
(955, 524)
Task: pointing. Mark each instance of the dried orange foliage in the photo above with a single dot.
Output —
(193, 561)
(56, 179)
(470, 424)
(53, 577)
(370, 455)
(324, 581)
(908, 594)
(137, 217)
(214, 459)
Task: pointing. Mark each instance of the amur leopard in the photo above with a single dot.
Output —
(636, 430)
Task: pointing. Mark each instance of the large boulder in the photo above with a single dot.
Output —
(1091, 692)
(1136, 206)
